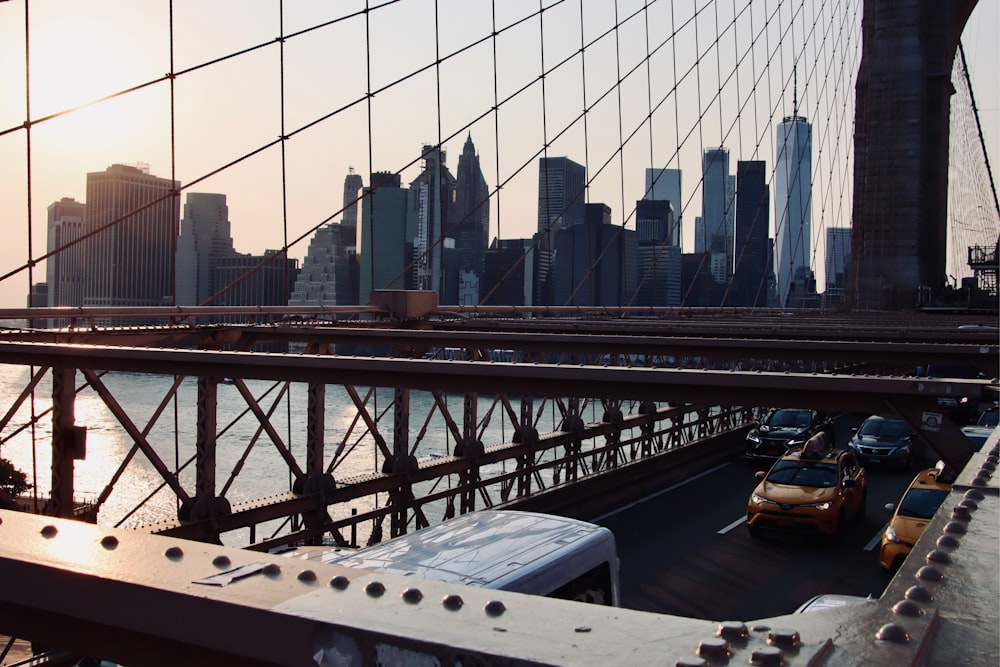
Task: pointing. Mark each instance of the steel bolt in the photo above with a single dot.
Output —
(938, 556)
(271, 570)
(975, 494)
(109, 542)
(495, 608)
(980, 481)
(375, 589)
(222, 561)
(733, 630)
(452, 602)
(340, 582)
(890, 632)
(767, 655)
(174, 553)
(49, 531)
(307, 576)
(715, 648)
(929, 573)
(989, 465)
(961, 513)
(907, 608)
(955, 527)
(784, 637)
(413, 595)
(970, 505)
(948, 541)
(919, 594)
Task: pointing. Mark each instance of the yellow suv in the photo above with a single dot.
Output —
(809, 490)
(922, 499)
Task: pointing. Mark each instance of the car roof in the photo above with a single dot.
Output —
(832, 456)
(928, 479)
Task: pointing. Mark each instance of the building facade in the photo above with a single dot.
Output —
(64, 268)
(718, 212)
(205, 241)
(562, 187)
(793, 206)
(386, 236)
(472, 223)
(751, 267)
(665, 185)
(434, 205)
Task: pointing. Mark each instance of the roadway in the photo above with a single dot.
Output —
(686, 551)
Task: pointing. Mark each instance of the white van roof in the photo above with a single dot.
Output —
(508, 550)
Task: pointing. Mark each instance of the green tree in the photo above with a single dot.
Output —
(12, 480)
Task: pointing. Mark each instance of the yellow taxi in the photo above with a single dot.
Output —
(916, 508)
(811, 489)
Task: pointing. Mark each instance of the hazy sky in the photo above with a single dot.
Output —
(223, 111)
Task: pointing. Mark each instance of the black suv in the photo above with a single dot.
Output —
(782, 429)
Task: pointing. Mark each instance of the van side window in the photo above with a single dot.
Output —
(593, 586)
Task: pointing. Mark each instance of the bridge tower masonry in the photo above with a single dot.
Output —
(903, 91)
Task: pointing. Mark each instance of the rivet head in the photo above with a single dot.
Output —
(691, 662)
(907, 608)
(49, 531)
(271, 570)
(452, 602)
(713, 647)
(919, 594)
(307, 576)
(375, 589)
(891, 632)
(221, 561)
(975, 494)
(109, 542)
(970, 505)
(947, 541)
(582, 628)
(494, 608)
(767, 655)
(761, 628)
(784, 637)
(340, 582)
(929, 573)
(413, 595)
(980, 481)
(989, 466)
(955, 527)
(733, 630)
(174, 553)
(961, 513)
(938, 556)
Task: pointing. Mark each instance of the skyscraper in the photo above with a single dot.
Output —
(387, 233)
(561, 196)
(64, 270)
(838, 256)
(471, 228)
(793, 203)
(353, 183)
(750, 273)
(327, 274)
(596, 263)
(717, 194)
(434, 206)
(135, 218)
(203, 243)
(665, 185)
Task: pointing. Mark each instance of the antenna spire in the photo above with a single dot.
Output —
(795, 91)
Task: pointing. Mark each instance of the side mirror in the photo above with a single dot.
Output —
(854, 430)
(760, 474)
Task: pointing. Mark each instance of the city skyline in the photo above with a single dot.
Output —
(264, 209)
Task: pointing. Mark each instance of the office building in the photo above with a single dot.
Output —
(353, 185)
(838, 256)
(433, 200)
(328, 276)
(718, 212)
(562, 187)
(793, 205)
(510, 270)
(471, 228)
(205, 240)
(386, 238)
(64, 268)
(256, 280)
(134, 218)
(751, 267)
(654, 221)
(665, 185)
(596, 263)
(659, 275)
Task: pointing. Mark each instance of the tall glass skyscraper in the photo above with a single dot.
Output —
(793, 203)
(353, 183)
(561, 195)
(751, 271)
(665, 185)
(434, 199)
(471, 227)
(718, 212)
(204, 242)
(64, 270)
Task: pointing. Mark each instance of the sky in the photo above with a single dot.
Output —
(217, 127)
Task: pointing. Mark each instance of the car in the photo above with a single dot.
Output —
(783, 429)
(816, 490)
(886, 440)
(917, 506)
(989, 417)
(978, 435)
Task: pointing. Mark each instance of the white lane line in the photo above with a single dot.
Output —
(660, 492)
(875, 541)
(734, 524)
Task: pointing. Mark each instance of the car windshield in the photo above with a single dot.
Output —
(922, 503)
(789, 418)
(989, 418)
(884, 428)
(803, 473)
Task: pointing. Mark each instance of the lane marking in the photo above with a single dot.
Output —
(660, 492)
(734, 524)
(875, 541)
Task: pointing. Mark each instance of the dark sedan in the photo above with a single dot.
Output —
(783, 429)
(886, 440)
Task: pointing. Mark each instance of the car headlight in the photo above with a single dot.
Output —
(753, 436)
(822, 506)
(759, 500)
(903, 449)
(890, 536)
